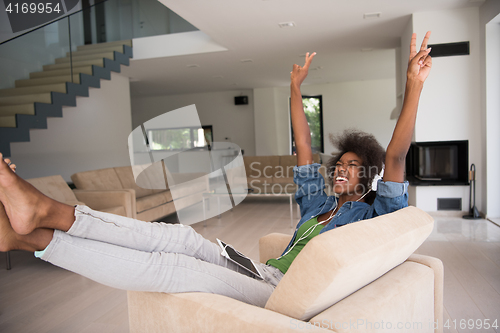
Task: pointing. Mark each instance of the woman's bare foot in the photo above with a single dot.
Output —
(27, 208)
(10, 240)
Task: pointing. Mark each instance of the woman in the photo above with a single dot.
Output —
(130, 254)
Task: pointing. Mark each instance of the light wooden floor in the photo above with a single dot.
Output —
(38, 297)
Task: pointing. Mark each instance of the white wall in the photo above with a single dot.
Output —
(235, 122)
(365, 105)
(490, 86)
(266, 124)
(451, 99)
(90, 136)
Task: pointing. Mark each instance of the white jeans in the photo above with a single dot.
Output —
(129, 254)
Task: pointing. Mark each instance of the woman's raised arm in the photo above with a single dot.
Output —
(301, 131)
(419, 66)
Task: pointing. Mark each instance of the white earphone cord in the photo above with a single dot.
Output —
(304, 236)
(364, 195)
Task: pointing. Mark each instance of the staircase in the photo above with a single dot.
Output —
(44, 94)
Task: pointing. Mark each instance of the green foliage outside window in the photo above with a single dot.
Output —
(313, 111)
(313, 116)
(179, 138)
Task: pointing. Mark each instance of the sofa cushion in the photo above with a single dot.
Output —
(103, 179)
(283, 180)
(153, 200)
(285, 167)
(339, 262)
(54, 187)
(261, 166)
(126, 176)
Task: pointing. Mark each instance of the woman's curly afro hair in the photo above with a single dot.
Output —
(367, 148)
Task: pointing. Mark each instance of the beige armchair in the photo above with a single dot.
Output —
(361, 277)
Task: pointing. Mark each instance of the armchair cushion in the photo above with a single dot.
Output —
(335, 264)
(203, 312)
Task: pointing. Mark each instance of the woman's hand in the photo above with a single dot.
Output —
(419, 67)
(420, 63)
(299, 73)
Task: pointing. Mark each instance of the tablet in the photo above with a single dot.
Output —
(238, 258)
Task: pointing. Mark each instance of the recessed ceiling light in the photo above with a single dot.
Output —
(286, 24)
(246, 60)
(192, 66)
(372, 15)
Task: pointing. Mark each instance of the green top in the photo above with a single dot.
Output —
(309, 229)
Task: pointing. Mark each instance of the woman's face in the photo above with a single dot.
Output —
(346, 177)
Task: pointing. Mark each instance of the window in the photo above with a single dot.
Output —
(313, 110)
(180, 138)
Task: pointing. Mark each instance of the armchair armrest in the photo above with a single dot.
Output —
(272, 246)
(437, 266)
(102, 199)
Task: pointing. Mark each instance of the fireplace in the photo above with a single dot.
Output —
(438, 163)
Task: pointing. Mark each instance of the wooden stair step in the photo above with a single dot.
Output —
(47, 80)
(97, 62)
(12, 110)
(104, 45)
(65, 71)
(24, 99)
(109, 55)
(47, 88)
(117, 48)
(8, 121)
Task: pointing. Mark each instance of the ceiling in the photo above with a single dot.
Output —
(349, 47)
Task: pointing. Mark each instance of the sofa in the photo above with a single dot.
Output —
(153, 199)
(119, 202)
(273, 174)
(361, 277)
